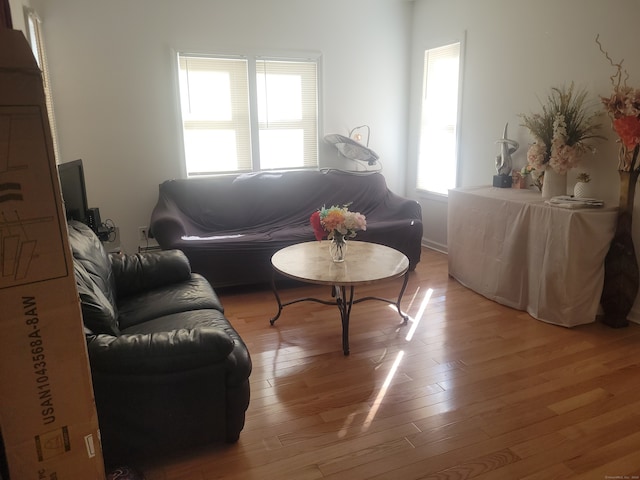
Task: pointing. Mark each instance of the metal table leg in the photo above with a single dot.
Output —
(405, 318)
(344, 304)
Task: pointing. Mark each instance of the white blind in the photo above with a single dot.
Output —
(287, 113)
(37, 47)
(221, 108)
(214, 98)
(437, 159)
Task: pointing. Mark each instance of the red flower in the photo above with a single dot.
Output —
(628, 129)
(318, 231)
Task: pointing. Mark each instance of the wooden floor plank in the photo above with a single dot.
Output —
(478, 390)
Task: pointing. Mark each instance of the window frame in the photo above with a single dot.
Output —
(461, 40)
(252, 57)
(33, 33)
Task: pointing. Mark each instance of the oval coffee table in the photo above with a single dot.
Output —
(366, 263)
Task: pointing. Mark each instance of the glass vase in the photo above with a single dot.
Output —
(338, 248)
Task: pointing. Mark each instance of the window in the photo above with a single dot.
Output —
(245, 114)
(438, 148)
(34, 34)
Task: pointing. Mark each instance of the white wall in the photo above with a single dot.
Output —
(112, 74)
(516, 50)
(17, 14)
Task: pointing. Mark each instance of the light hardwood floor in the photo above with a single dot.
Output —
(480, 391)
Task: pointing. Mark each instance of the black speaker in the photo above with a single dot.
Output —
(93, 219)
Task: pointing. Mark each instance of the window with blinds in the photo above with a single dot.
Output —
(438, 149)
(248, 114)
(34, 35)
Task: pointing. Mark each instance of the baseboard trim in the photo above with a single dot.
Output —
(438, 247)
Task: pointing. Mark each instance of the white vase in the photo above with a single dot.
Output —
(583, 190)
(553, 183)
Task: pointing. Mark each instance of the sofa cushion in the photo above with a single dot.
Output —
(164, 351)
(238, 361)
(88, 250)
(98, 313)
(140, 272)
(193, 294)
(94, 278)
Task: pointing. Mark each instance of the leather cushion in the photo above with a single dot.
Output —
(98, 313)
(238, 360)
(88, 250)
(175, 343)
(94, 279)
(193, 294)
(145, 271)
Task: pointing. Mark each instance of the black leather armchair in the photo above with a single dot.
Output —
(169, 371)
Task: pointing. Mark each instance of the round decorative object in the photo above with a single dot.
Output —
(553, 183)
(338, 248)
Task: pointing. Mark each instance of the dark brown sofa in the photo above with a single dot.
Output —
(230, 226)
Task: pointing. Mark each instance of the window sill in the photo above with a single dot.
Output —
(433, 196)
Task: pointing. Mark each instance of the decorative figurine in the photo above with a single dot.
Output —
(503, 160)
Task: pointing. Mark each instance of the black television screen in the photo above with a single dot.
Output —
(74, 192)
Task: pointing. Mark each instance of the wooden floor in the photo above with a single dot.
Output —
(468, 389)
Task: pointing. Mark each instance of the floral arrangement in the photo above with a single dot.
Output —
(623, 107)
(561, 131)
(337, 222)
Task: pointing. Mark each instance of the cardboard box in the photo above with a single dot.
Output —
(48, 417)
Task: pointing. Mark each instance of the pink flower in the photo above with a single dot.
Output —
(536, 155)
(318, 231)
(628, 129)
(336, 221)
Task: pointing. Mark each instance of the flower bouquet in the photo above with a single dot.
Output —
(561, 131)
(337, 224)
(623, 107)
(621, 272)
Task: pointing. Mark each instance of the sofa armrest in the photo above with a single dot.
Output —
(167, 225)
(396, 206)
(410, 208)
(160, 352)
(144, 271)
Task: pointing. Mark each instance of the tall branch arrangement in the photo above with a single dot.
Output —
(623, 107)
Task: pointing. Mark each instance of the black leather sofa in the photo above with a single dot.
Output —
(230, 226)
(169, 371)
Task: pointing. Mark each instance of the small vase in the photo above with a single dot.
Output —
(338, 248)
(583, 190)
(553, 183)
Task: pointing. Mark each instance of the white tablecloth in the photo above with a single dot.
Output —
(511, 247)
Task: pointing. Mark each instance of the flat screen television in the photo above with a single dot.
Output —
(74, 192)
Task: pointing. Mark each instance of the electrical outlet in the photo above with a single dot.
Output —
(143, 234)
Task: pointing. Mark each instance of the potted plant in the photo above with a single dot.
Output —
(583, 187)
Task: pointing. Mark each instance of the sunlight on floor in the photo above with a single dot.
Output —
(416, 320)
(382, 392)
(394, 368)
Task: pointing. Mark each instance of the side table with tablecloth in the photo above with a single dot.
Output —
(512, 247)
